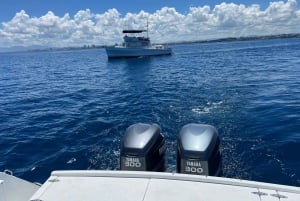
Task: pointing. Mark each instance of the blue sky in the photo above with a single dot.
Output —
(57, 23)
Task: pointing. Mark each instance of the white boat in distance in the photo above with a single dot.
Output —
(136, 46)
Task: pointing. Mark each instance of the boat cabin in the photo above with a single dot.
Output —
(132, 40)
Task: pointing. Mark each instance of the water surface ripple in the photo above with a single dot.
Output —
(69, 109)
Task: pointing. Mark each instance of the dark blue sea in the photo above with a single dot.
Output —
(63, 110)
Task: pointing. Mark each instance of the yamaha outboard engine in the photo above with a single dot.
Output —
(198, 150)
(143, 148)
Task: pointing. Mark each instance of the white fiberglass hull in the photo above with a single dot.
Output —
(151, 186)
(123, 52)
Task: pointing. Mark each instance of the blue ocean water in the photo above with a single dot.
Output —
(62, 110)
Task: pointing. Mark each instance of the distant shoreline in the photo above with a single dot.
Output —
(246, 38)
(229, 39)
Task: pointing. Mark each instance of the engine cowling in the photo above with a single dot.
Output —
(198, 150)
(143, 148)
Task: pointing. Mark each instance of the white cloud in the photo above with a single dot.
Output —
(165, 25)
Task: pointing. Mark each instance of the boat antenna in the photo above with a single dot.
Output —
(147, 27)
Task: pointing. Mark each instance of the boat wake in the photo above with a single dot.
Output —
(207, 108)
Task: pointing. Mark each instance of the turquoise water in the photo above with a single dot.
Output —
(69, 109)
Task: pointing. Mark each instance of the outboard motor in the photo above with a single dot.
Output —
(198, 150)
(143, 148)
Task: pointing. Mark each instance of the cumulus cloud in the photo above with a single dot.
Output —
(165, 25)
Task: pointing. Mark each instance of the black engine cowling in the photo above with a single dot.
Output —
(143, 148)
(198, 150)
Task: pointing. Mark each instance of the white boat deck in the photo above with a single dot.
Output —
(15, 189)
(153, 186)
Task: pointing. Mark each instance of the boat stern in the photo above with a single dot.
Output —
(15, 189)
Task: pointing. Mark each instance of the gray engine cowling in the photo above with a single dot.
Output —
(143, 148)
(198, 150)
